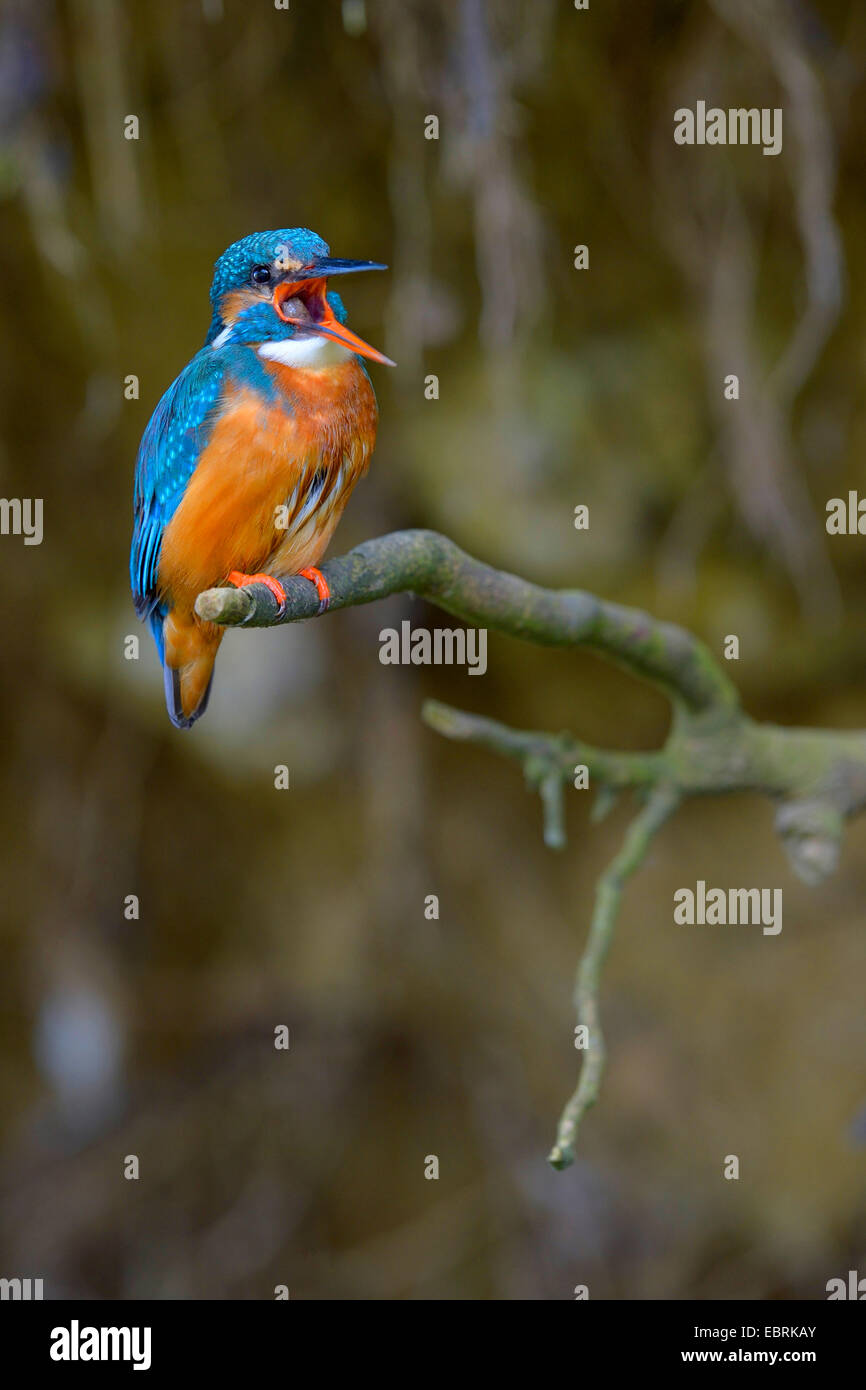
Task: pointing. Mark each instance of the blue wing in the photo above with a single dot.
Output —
(167, 457)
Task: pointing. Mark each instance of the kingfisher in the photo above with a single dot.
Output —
(247, 463)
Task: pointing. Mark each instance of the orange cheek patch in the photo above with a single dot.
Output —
(233, 304)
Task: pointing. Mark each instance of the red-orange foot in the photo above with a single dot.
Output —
(316, 577)
(241, 581)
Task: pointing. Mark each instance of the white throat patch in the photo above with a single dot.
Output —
(313, 351)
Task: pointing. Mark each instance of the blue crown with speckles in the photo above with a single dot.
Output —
(233, 268)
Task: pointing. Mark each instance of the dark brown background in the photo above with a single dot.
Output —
(305, 907)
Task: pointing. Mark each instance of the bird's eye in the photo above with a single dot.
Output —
(261, 275)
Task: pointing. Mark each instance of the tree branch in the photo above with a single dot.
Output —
(425, 563)
(661, 804)
(815, 778)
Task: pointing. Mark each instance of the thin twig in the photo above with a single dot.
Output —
(660, 805)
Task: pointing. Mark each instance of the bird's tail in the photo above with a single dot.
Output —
(189, 652)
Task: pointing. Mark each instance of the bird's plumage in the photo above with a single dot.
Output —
(168, 455)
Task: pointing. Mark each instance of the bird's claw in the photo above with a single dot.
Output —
(242, 581)
(316, 578)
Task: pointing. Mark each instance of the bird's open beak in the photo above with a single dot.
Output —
(311, 311)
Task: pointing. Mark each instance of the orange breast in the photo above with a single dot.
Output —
(272, 482)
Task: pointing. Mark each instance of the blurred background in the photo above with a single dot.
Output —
(557, 386)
